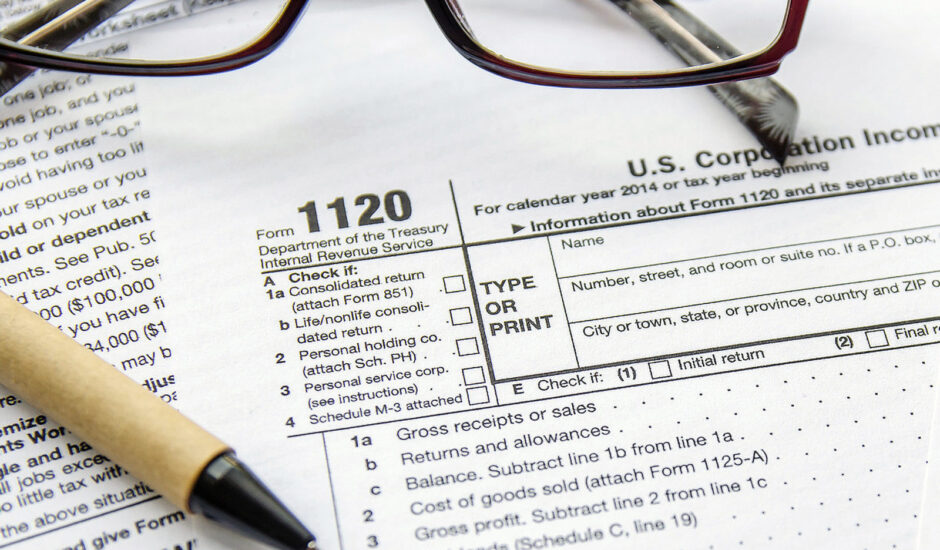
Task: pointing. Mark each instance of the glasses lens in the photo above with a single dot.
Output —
(622, 35)
(148, 30)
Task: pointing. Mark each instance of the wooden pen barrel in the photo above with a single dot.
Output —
(116, 415)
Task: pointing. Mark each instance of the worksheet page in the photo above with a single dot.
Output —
(433, 308)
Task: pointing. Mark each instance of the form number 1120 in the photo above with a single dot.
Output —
(396, 204)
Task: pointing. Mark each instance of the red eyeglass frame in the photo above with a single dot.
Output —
(447, 15)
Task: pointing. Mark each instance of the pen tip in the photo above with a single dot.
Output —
(229, 493)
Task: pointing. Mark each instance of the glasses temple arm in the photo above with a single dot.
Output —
(767, 109)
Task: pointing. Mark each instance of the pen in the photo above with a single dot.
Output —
(186, 464)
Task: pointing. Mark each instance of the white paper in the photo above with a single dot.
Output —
(679, 356)
(929, 533)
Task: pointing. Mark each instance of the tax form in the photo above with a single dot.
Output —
(436, 309)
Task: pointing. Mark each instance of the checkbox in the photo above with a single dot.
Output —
(876, 338)
(467, 346)
(660, 369)
(460, 316)
(478, 396)
(454, 283)
(473, 376)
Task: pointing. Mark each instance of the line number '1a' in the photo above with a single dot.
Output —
(397, 206)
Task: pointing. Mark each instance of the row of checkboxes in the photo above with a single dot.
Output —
(478, 394)
(662, 369)
(461, 316)
(458, 315)
(658, 369)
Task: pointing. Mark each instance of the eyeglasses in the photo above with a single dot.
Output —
(570, 43)
(574, 43)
